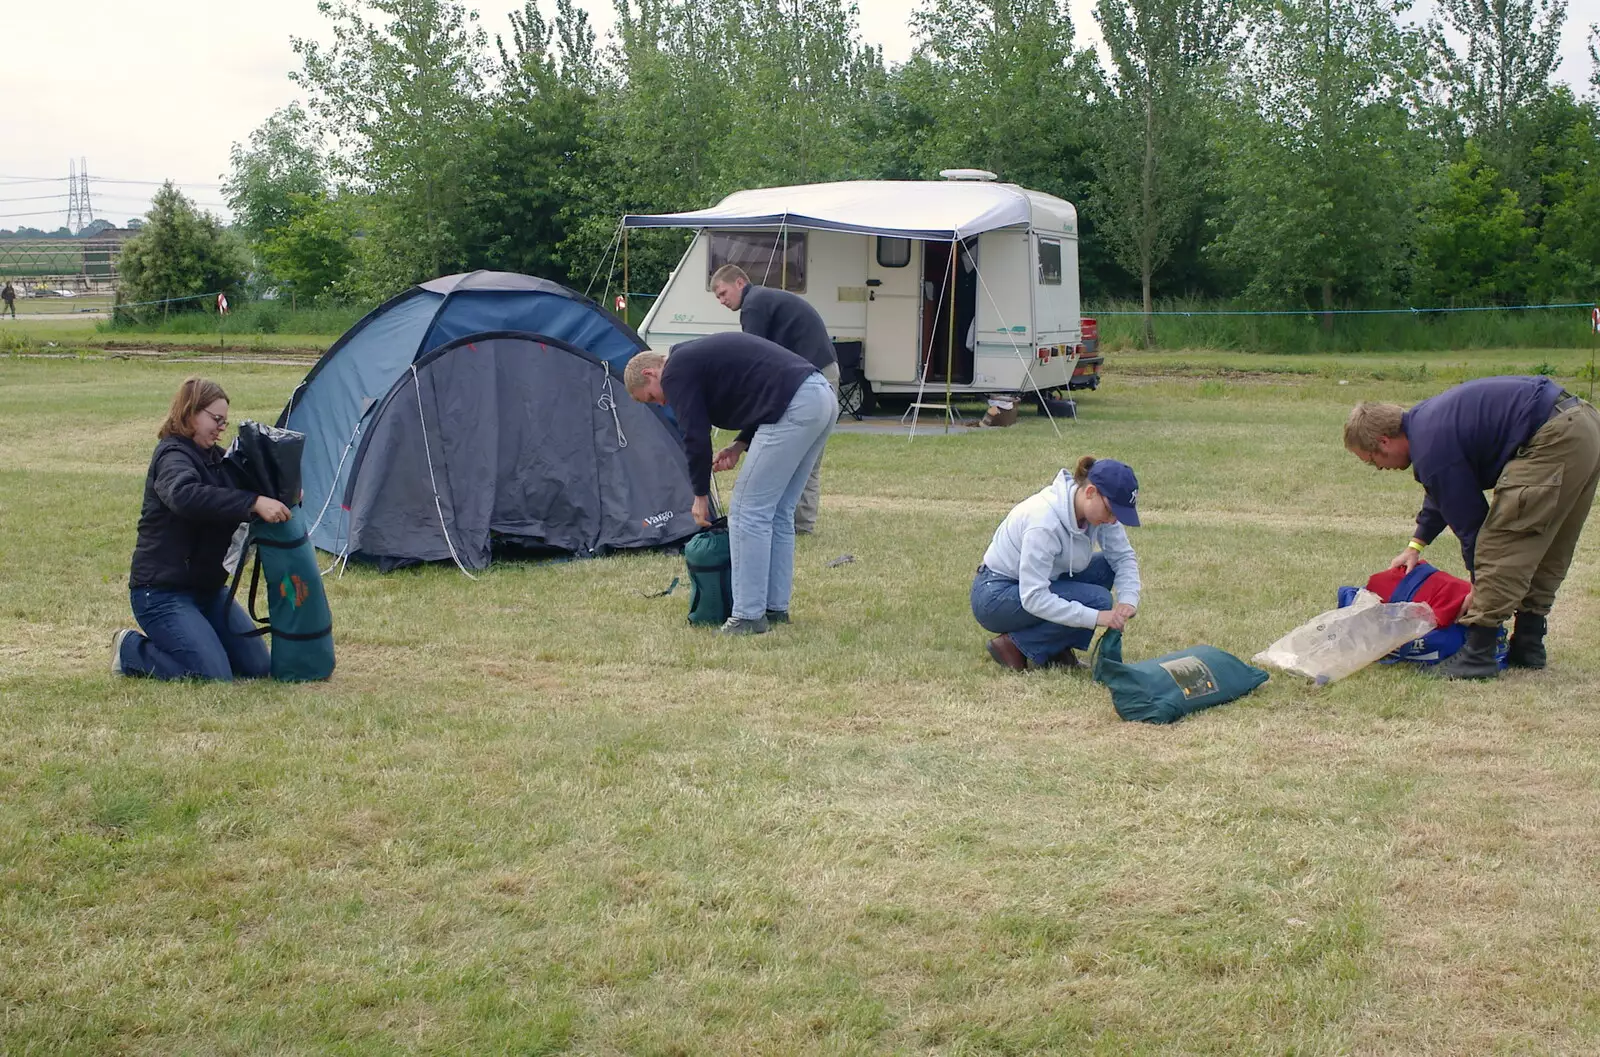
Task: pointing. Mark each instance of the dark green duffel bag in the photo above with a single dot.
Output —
(298, 617)
(1166, 689)
(710, 561)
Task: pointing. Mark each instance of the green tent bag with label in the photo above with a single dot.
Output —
(1166, 689)
(709, 558)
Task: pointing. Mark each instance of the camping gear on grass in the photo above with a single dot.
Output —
(1334, 644)
(481, 411)
(299, 620)
(1166, 689)
(266, 460)
(709, 558)
(1441, 592)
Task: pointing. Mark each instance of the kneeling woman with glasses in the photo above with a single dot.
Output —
(178, 584)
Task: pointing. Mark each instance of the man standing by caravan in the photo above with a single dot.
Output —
(790, 321)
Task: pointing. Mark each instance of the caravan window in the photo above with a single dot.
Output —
(762, 256)
(893, 252)
(1049, 262)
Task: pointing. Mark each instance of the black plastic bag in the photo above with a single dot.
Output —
(266, 460)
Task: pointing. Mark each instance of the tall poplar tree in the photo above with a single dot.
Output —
(1167, 59)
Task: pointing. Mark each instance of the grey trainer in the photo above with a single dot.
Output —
(116, 649)
(743, 626)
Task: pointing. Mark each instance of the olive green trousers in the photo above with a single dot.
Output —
(1540, 503)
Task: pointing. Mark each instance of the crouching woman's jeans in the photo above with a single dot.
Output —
(761, 523)
(192, 636)
(997, 604)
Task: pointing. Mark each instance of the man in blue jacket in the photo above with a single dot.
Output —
(1538, 447)
(789, 320)
(784, 411)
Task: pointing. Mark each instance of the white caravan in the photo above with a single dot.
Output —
(876, 258)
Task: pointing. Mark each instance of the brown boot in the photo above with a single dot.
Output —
(1007, 654)
(1066, 659)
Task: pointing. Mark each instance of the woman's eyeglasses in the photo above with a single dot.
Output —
(220, 420)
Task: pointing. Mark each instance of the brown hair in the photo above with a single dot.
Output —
(192, 395)
(1080, 473)
(730, 274)
(1369, 423)
(633, 373)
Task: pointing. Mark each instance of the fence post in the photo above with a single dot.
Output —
(1594, 335)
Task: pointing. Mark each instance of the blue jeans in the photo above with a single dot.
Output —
(761, 523)
(189, 636)
(997, 603)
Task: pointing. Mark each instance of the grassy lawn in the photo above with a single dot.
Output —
(538, 813)
(35, 335)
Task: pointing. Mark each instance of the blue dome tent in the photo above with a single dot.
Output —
(480, 409)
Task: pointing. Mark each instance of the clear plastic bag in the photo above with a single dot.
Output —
(1340, 641)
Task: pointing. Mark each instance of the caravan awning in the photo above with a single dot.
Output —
(938, 210)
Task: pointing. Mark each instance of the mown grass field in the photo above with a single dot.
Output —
(78, 335)
(538, 813)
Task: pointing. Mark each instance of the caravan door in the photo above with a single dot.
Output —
(894, 303)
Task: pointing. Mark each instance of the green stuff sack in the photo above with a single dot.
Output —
(709, 558)
(1168, 688)
(299, 620)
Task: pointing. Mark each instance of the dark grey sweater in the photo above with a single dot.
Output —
(789, 320)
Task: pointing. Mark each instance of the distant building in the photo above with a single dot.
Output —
(100, 251)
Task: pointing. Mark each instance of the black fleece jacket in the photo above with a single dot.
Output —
(190, 512)
(731, 381)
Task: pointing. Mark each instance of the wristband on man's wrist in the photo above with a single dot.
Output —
(1416, 545)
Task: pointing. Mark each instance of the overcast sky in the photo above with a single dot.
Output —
(147, 90)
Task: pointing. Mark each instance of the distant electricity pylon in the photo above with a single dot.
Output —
(80, 210)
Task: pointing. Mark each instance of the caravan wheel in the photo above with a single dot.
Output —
(856, 398)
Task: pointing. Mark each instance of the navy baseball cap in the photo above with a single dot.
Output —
(1116, 482)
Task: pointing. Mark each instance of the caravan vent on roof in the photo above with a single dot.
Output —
(983, 175)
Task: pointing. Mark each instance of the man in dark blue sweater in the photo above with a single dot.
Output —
(1538, 447)
(784, 410)
(789, 320)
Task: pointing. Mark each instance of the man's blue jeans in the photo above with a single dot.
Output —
(997, 603)
(761, 523)
(189, 636)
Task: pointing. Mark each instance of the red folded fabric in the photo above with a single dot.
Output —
(1441, 591)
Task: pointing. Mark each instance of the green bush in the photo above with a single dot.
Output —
(255, 317)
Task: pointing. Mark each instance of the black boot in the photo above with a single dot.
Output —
(1475, 659)
(1527, 642)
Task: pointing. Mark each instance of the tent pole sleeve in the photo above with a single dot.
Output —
(950, 338)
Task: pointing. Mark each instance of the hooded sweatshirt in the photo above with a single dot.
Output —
(1041, 540)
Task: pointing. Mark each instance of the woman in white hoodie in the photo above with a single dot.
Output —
(1047, 579)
